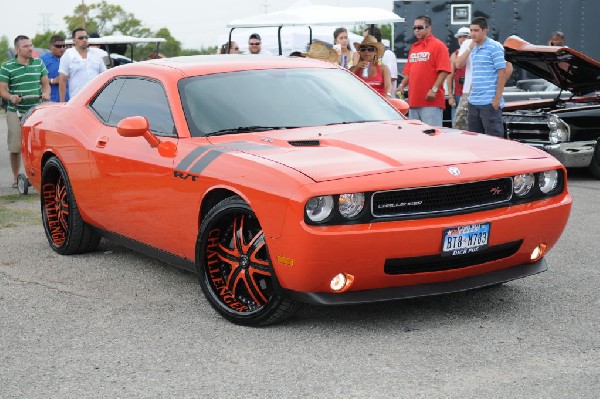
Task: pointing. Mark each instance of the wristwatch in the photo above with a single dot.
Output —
(434, 89)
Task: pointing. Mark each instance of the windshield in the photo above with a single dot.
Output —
(278, 98)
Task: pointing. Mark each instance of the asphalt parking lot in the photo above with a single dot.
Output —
(115, 323)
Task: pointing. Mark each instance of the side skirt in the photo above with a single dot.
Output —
(152, 252)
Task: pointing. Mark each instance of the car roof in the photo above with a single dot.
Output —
(203, 64)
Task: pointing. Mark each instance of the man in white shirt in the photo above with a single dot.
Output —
(79, 65)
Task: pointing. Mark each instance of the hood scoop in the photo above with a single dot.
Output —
(304, 143)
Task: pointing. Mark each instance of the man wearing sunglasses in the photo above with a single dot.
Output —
(255, 45)
(78, 65)
(52, 60)
(427, 67)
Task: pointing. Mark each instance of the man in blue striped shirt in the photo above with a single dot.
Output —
(489, 77)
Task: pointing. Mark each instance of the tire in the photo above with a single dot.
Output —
(234, 267)
(595, 164)
(66, 231)
(22, 184)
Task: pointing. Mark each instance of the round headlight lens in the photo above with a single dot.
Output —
(548, 181)
(559, 130)
(319, 208)
(522, 184)
(351, 204)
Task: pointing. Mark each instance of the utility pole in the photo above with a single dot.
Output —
(266, 6)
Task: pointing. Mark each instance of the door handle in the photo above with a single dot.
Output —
(102, 142)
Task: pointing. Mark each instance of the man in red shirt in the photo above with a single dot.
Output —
(427, 67)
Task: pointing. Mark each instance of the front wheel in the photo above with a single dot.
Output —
(234, 267)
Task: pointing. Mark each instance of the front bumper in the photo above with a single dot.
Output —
(413, 291)
(306, 258)
(576, 154)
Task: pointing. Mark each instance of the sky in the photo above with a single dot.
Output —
(195, 23)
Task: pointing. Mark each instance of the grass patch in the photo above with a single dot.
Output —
(18, 210)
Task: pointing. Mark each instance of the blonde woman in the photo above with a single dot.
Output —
(341, 44)
(368, 68)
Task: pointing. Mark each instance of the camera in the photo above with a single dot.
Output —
(461, 80)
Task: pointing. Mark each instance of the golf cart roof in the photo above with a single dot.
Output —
(121, 39)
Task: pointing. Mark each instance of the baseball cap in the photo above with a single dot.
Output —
(464, 31)
(254, 36)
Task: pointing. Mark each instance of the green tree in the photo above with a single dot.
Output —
(42, 40)
(386, 31)
(172, 47)
(106, 19)
(4, 46)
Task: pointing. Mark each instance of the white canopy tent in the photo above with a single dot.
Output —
(312, 16)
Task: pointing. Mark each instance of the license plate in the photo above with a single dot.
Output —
(467, 239)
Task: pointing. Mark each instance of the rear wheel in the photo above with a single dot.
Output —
(234, 267)
(66, 231)
(595, 164)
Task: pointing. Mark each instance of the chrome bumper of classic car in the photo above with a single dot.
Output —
(413, 291)
(571, 154)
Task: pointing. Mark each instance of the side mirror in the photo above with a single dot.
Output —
(138, 126)
(400, 105)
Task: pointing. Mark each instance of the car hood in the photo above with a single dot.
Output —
(566, 68)
(341, 151)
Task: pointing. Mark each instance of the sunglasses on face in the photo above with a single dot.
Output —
(236, 48)
(419, 27)
(60, 45)
(254, 44)
(82, 37)
(367, 48)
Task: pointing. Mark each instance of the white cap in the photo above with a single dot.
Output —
(464, 31)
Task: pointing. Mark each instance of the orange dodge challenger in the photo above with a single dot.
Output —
(285, 180)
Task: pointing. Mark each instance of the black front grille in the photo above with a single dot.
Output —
(437, 263)
(437, 199)
(527, 131)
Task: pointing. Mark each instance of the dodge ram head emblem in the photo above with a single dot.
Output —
(454, 170)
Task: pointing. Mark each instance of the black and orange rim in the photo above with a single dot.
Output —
(237, 263)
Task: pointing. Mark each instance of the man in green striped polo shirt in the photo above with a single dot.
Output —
(23, 81)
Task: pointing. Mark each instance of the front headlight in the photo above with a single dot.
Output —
(319, 208)
(350, 205)
(559, 130)
(548, 181)
(522, 184)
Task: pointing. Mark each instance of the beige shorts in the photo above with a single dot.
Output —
(14, 132)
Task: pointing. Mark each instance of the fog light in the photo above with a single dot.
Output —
(341, 282)
(538, 252)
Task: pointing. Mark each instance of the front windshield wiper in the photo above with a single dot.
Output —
(246, 129)
(347, 123)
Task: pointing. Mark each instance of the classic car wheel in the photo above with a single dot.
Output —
(22, 184)
(66, 232)
(234, 267)
(595, 164)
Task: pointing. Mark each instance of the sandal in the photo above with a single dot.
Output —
(15, 185)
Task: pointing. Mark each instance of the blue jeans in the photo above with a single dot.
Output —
(485, 119)
(431, 115)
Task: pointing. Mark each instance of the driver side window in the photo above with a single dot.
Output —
(135, 96)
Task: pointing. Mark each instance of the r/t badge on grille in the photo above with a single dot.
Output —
(454, 170)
